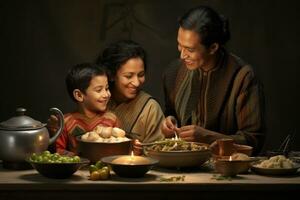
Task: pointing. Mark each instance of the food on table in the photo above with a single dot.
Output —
(239, 156)
(117, 132)
(176, 145)
(172, 179)
(105, 134)
(99, 171)
(47, 157)
(276, 162)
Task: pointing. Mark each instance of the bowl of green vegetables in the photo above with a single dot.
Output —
(56, 165)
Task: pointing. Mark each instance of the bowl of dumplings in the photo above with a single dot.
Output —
(103, 141)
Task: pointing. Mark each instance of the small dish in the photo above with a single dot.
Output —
(228, 167)
(130, 166)
(275, 165)
(274, 171)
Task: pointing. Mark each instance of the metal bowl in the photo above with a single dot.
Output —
(170, 159)
(58, 170)
(123, 166)
(94, 151)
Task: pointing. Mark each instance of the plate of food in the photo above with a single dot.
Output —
(178, 153)
(275, 166)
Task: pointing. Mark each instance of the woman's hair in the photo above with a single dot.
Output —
(118, 53)
(211, 27)
(80, 76)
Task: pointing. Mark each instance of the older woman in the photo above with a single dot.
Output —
(139, 113)
(210, 92)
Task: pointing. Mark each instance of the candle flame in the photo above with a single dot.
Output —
(230, 158)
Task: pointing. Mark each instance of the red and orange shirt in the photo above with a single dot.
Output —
(77, 124)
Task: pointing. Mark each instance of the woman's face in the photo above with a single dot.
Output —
(129, 79)
(192, 52)
(97, 94)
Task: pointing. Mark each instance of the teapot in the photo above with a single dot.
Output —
(20, 136)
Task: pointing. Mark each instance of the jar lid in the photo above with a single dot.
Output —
(21, 122)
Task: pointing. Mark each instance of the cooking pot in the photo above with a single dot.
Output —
(20, 136)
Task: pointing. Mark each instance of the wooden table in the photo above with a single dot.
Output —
(28, 184)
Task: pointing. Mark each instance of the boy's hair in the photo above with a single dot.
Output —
(80, 76)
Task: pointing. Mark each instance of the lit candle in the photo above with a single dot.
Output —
(131, 160)
(230, 158)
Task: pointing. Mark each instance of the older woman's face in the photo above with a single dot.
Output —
(192, 52)
(129, 79)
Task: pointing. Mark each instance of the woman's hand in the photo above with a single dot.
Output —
(169, 126)
(190, 133)
(194, 133)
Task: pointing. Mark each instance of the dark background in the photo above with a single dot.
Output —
(40, 40)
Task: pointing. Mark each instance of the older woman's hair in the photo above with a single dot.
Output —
(212, 27)
(118, 53)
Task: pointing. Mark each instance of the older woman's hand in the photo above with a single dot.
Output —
(190, 133)
(169, 126)
(194, 133)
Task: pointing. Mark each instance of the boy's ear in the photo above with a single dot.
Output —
(78, 95)
(214, 48)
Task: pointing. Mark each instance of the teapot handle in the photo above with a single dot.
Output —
(61, 124)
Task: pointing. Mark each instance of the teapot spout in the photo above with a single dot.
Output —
(60, 116)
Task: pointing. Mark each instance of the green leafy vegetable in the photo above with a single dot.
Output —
(172, 179)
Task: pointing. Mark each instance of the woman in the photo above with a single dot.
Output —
(209, 92)
(140, 115)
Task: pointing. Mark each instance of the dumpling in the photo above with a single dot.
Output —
(117, 132)
(98, 129)
(85, 136)
(93, 136)
(106, 132)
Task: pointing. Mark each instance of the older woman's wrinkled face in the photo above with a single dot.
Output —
(192, 52)
(129, 79)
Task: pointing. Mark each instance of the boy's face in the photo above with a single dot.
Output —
(129, 79)
(97, 94)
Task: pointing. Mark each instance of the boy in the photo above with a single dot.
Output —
(87, 85)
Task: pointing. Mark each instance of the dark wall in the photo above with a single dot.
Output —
(40, 40)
